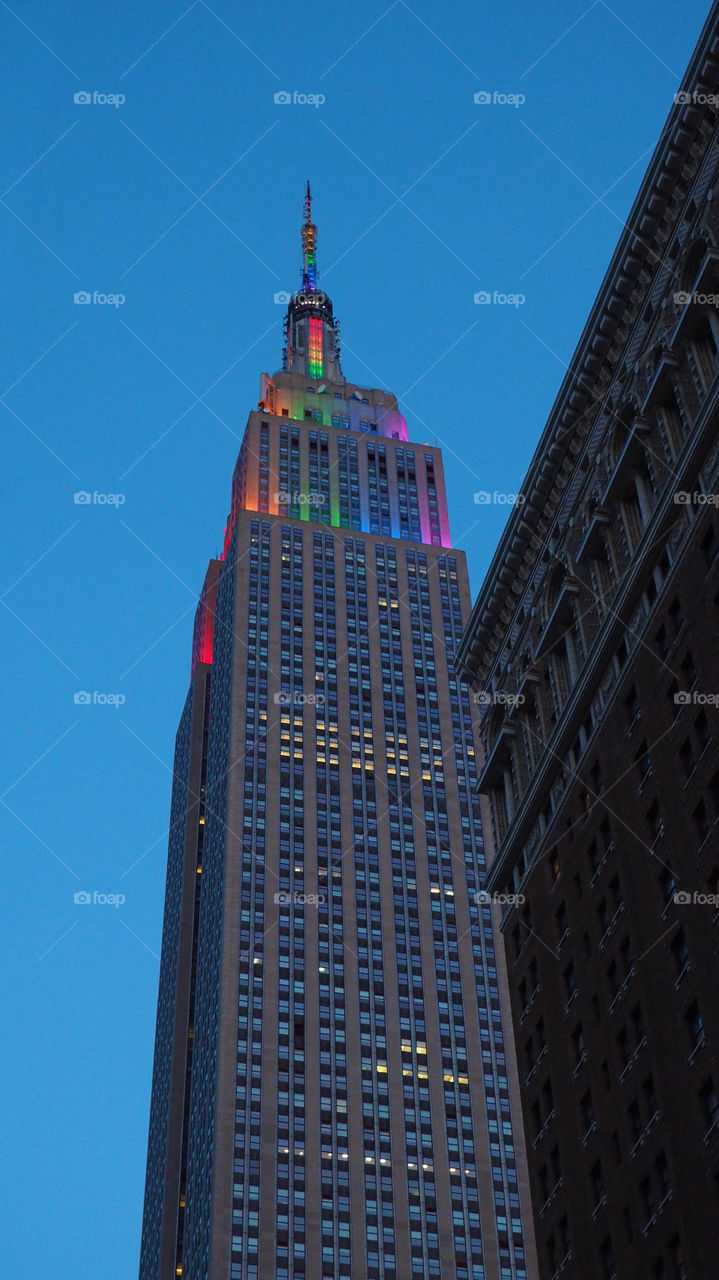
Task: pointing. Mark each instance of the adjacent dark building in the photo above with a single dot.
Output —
(333, 1091)
(594, 650)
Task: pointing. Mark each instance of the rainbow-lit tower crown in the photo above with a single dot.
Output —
(312, 345)
(311, 384)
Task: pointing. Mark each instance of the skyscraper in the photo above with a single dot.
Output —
(332, 1091)
(594, 643)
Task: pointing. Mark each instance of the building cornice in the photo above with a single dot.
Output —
(588, 375)
(614, 628)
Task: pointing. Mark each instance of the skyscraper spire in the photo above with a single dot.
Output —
(309, 241)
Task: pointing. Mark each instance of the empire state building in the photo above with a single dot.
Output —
(333, 1090)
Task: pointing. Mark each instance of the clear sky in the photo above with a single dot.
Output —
(186, 199)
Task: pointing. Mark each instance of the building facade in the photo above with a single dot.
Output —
(333, 1092)
(593, 649)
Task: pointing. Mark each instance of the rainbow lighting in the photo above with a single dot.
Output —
(309, 242)
(314, 347)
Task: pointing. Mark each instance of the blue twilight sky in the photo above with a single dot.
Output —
(186, 199)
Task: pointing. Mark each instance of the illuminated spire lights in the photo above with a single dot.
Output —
(314, 347)
(309, 244)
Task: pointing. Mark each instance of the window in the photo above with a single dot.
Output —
(570, 980)
(709, 546)
(686, 757)
(701, 821)
(578, 1043)
(654, 821)
(562, 923)
(554, 867)
(606, 1258)
(710, 1103)
(631, 706)
(690, 672)
(596, 1183)
(680, 951)
(676, 1253)
(701, 726)
(667, 884)
(586, 1108)
(694, 1024)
